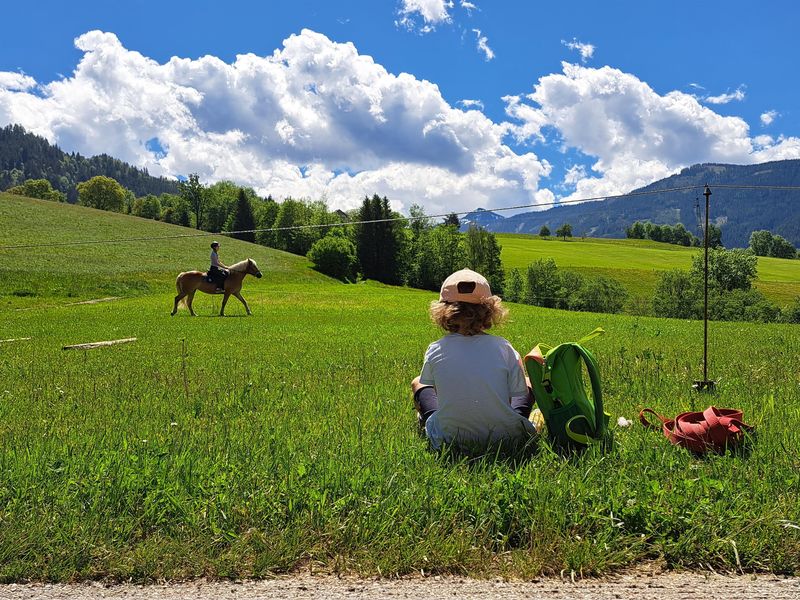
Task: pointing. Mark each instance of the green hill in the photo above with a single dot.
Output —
(636, 263)
(113, 269)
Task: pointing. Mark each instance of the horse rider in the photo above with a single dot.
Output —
(218, 271)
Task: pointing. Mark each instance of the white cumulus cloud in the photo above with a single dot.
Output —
(585, 50)
(16, 81)
(768, 117)
(634, 134)
(314, 118)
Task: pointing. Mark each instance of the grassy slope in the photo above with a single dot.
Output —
(286, 440)
(85, 271)
(635, 263)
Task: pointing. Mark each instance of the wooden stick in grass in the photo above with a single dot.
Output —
(91, 345)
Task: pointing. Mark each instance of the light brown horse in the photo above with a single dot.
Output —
(191, 281)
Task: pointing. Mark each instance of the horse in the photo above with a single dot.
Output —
(189, 282)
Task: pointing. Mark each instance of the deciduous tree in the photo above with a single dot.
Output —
(102, 192)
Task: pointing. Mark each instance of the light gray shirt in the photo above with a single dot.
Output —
(475, 378)
(214, 259)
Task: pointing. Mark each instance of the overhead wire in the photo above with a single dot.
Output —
(554, 203)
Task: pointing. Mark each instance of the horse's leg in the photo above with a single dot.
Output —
(224, 302)
(239, 296)
(175, 307)
(189, 299)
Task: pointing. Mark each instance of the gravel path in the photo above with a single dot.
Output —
(639, 586)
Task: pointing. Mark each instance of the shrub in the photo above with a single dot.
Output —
(542, 283)
(676, 295)
(741, 305)
(792, 314)
(600, 294)
(334, 255)
(38, 188)
(727, 269)
(513, 286)
(782, 248)
(546, 286)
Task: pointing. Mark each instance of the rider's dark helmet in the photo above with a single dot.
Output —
(214, 244)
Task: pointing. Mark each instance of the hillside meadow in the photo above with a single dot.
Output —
(636, 263)
(251, 446)
(69, 273)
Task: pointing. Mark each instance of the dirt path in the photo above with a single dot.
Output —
(665, 586)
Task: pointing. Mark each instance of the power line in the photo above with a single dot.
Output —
(735, 186)
(374, 221)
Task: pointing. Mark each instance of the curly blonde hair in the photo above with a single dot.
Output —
(467, 318)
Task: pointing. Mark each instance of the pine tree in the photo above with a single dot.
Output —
(243, 219)
(379, 244)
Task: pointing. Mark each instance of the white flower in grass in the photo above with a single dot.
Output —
(623, 422)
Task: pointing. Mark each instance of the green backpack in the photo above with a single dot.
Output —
(574, 421)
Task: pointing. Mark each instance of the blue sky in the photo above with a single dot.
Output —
(451, 104)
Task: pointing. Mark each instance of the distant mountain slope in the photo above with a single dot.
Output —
(738, 211)
(480, 217)
(24, 156)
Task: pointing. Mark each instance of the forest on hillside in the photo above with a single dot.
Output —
(26, 156)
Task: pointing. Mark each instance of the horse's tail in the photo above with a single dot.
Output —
(179, 288)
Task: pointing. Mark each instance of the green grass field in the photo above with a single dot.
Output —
(636, 263)
(249, 446)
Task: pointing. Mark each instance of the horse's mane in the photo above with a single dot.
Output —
(240, 266)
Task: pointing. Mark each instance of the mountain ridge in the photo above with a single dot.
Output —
(737, 210)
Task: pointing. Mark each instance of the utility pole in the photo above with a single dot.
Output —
(705, 385)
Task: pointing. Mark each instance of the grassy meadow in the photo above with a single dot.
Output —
(636, 263)
(250, 446)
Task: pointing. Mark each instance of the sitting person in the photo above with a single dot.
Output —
(472, 391)
(218, 271)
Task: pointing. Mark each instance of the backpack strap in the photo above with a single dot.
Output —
(597, 395)
(535, 367)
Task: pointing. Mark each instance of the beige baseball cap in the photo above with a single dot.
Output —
(465, 286)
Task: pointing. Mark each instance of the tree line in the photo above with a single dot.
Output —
(731, 297)
(672, 234)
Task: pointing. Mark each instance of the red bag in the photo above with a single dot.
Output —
(714, 429)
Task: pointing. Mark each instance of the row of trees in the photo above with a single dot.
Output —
(672, 234)
(384, 246)
(564, 231)
(544, 284)
(731, 296)
(765, 243)
(678, 294)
